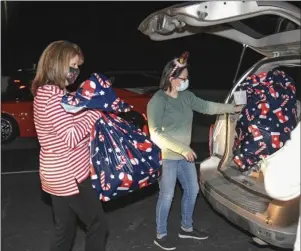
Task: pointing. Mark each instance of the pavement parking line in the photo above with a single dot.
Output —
(20, 172)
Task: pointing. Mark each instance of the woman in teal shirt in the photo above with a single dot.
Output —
(170, 114)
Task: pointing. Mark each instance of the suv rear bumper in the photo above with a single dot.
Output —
(280, 237)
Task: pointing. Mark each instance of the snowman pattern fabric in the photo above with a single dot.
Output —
(268, 118)
(123, 158)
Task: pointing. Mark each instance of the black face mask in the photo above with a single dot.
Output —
(72, 75)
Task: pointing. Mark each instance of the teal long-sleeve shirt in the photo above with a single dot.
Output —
(170, 120)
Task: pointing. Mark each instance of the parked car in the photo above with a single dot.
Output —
(242, 199)
(4, 83)
(135, 87)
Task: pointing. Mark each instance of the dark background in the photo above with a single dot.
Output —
(108, 35)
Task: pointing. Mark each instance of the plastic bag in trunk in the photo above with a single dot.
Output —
(266, 121)
(123, 158)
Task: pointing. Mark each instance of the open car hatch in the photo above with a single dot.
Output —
(229, 19)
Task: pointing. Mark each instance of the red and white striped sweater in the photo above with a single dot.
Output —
(64, 141)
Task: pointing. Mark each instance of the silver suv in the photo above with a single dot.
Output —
(240, 198)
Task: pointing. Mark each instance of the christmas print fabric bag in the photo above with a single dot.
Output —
(94, 93)
(123, 158)
(266, 121)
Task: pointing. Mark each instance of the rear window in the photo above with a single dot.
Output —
(261, 26)
(19, 86)
(270, 24)
(17, 92)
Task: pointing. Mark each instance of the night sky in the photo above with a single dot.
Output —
(108, 35)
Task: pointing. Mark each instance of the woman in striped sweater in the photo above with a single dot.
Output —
(64, 154)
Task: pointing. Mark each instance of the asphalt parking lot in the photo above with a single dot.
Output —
(27, 218)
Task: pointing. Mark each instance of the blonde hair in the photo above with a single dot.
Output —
(53, 64)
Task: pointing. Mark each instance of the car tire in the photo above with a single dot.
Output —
(9, 129)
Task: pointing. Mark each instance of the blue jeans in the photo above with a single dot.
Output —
(187, 175)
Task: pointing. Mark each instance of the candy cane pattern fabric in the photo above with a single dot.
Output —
(121, 165)
(105, 186)
(270, 112)
(95, 93)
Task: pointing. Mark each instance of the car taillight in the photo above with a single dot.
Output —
(211, 139)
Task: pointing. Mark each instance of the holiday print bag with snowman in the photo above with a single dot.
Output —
(267, 119)
(123, 158)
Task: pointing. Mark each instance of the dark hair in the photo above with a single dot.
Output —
(165, 82)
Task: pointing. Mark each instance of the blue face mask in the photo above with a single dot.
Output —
(183, 86)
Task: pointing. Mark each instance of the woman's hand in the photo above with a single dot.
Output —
(238, 108)
(190, 156)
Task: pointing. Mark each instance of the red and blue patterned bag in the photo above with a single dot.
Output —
(123, 158)
(266, 121)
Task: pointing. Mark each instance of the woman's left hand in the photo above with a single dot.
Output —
(238, 108)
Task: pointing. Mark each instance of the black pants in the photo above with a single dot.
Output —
(88, 209)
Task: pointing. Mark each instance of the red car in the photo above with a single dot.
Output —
(17, 107)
